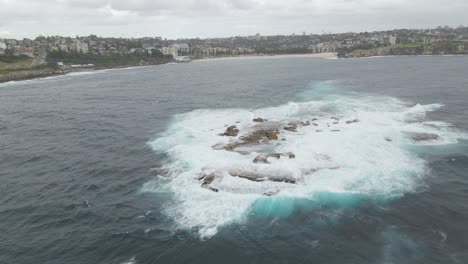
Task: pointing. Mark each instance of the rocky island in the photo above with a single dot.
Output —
(263, 133)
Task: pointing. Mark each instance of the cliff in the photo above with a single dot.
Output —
(441, 48)
(28, 74)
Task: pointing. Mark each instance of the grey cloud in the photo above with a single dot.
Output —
(204, 18)
(84, 3)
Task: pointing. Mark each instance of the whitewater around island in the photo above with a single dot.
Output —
(346, 146)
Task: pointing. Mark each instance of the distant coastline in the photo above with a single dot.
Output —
(29, 74)
(411, 49)
(274, 56)
(55, 55)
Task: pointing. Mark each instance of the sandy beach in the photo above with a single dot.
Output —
(308, 55)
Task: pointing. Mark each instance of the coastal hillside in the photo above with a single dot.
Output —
(438, 48)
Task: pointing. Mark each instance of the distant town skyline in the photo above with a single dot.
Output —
(221, 18)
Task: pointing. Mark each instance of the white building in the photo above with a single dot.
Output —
(2, 45)
(169, 51)
(183, 48)
(390, 40)
(79, 46)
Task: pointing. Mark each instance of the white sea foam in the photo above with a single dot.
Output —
(368, 158)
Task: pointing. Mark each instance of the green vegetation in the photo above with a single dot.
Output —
(107, 60)
(409, 45)
(420, 48)
(263, 50)
(343, 51)
(14, 63)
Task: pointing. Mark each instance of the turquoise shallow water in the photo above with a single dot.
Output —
(80, 178)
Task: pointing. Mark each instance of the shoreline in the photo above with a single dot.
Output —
(271, 56)
(25, 75)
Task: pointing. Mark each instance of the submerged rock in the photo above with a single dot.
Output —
(263, 158)
(421, 136)
(352, 121)
(260, 177)
(231, 131)
(258, 135)
(252, 138)
(208, 187)
(207, 180)
(291, 127)
(259, 119)
(271, 192)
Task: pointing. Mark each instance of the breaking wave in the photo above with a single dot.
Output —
(347, 146)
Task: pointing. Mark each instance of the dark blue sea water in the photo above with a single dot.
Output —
(100, 167)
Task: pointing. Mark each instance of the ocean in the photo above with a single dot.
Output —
(109, 166)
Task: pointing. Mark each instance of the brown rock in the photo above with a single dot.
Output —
(231, 131)
(352, 121)
(421, 136)
(272, 134)
(207, 180)
(253, 138)
(208, 187)
(263, 158)
(258, 177)
(291, 127)
(271, 193)
(259, 119)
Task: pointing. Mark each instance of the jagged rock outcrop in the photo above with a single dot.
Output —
(231, 131)
(352, 121)
(271, 192)
(291, 127)
(28, 74)
(263, 158)
(259, 119)
(262, 176)
(253, 138)
(251, 175)
(421, 136)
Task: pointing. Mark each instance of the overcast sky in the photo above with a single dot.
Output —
(221, 18)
